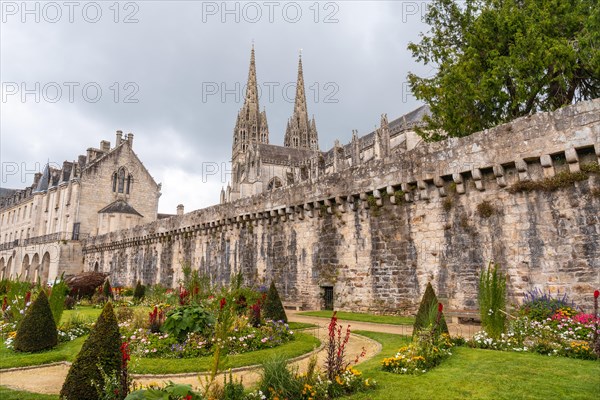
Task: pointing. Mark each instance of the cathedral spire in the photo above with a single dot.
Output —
(251, 124)
(252, 86)
(301, 132)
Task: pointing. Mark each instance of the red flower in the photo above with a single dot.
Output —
(222, 302)
(125, 352)
(27, 297)
(596, 294)
(440, 307)
(188, 397)
(4, 304)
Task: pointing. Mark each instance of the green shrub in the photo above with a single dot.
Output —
(15, 296)
(277, 378)
(57, 298)
(139, 292)
(425, 316)
(273, 308)
(184, 320)
(70, 302)
(100, 350)
(492, 300)
(107, 290)
(37, 330)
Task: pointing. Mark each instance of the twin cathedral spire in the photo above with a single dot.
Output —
(252, 127)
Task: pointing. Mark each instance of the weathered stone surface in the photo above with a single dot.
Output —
(379, 257)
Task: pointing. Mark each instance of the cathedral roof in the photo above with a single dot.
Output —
(119, 207)
(282, 155)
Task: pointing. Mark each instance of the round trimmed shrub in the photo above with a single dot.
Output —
(102, 348)
(273, 308)
(37, 330)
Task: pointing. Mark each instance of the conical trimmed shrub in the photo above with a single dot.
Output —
(107, 290)
(139, 291)
(102, 348)
(37, 329)
(428, 307)
(273, 308)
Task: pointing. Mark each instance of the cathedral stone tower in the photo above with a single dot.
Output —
(300, 132)
(251, 127)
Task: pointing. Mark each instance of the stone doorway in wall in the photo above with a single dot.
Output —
(327, 297)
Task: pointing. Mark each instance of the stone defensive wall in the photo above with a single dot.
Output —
(525, 195)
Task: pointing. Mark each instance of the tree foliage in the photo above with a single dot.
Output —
(37, 330)
(498, 60)
(100, 350)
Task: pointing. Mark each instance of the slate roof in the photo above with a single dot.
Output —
(404, 122)
(281, 155)
(119, 207)
(5, 192)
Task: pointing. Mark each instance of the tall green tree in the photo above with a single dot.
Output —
(497, 60)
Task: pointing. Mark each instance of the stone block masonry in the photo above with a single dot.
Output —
(378, 232)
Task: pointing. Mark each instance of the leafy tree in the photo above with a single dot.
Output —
(501, 59)
(428, 311)
(100, 350)
(37, 330)
(273, 308)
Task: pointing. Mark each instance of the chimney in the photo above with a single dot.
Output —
(180, 209)
(130, 139)
(119, 138)
(36, 179)
(105, 146)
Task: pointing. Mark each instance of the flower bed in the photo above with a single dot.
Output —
(558, 335)
(419, 356)
(548, 325)
(245, 338)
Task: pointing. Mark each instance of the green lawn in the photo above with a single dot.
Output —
(300, 325)
(362, 317)
(86, 312)
(63, 352)
(7, 394)
(303, 344)
(483, 374)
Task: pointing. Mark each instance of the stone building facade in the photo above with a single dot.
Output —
(385, 215)
(43, 225)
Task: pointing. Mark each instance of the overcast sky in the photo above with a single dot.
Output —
(173, 74)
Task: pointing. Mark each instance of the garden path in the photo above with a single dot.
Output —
(49, 379)
(465, 330)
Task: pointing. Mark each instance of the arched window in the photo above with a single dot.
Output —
(121, 179)
(274, 183)
(296, 142)
(129, 182)
(114, 182)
